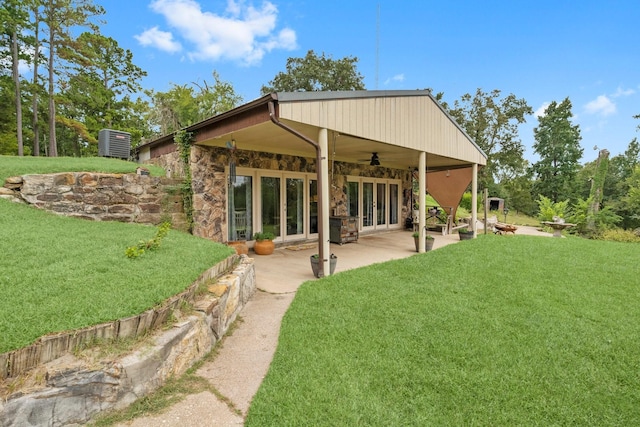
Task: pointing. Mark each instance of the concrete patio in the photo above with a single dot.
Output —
(289, 266)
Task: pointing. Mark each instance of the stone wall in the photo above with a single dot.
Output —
(72, 389)
(209, 182)
(102, 197)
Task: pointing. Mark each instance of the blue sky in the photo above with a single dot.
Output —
(541, 51)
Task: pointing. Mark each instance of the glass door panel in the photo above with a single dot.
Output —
(313, 206)
(240, 209)
(353, 201)
(295, 206)
(381, 204)
(393, 204)
(367, 204)
(270, 204)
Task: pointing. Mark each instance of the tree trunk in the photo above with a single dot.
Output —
(16, 81)
(53, 146)
(34, 104)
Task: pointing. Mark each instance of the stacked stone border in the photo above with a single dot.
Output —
(66, 390)
(129, 197)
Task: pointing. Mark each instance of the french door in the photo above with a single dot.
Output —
(286, 209)
(377, 200)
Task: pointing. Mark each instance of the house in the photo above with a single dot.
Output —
(287, 162)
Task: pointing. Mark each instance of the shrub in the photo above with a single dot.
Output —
(620, 235)
(548, 209)
(263, 235)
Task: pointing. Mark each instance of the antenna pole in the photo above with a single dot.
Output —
(377, 44)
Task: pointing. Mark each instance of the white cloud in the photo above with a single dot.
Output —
(542, 110)
(396, 78)
(622, 92)
(243, 33)
(162, 40)
(601, 105)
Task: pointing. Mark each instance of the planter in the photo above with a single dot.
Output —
(427, 246)
(264, 247)
(315, 264)
(240, 246)
(465, 235)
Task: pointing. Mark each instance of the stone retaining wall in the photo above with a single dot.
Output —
(71, 389)
(102, 197)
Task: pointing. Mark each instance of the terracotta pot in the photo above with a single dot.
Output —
(264, 247)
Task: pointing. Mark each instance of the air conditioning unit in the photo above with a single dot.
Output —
(114, 143)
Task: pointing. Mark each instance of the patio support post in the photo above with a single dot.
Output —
(474, 198)
(322, 181)
(323, 142)
(422, 212)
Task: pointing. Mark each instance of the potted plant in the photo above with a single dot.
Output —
(465, 234)
(315, 264)
(264, 243)
(429, 240)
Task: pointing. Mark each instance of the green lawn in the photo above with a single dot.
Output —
(15, 166)
(59, 273)
(495, 331)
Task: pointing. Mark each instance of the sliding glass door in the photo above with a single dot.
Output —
(240, 209)
(271, 204)
(294, 208)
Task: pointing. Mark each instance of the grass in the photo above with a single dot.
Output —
(495, 331)
(15, 166)
(60, 273)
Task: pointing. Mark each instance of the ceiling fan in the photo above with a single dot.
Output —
(373, 161)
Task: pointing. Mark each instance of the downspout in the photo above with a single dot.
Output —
(274, 119)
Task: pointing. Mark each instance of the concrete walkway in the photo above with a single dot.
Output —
(244, 357)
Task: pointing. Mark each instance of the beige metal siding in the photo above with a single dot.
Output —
(415, 122)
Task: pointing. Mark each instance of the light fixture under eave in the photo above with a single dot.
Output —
(375, 161)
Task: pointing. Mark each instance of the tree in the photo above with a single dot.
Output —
(492, 122)
(597, 188)
(183, 105)
(35, 86)
(616, 187)
(15, 17)
(96, 95)
(631, 201)
(317, 73)
(558, 145)
(60, 16)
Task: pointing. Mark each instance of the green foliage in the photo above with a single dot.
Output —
(558, 145)
(183, 140)
(492, 122)
(547, 209)
(317, 73)
(582, 215)
(184, 105)
(631, 201)
(97, 94)
(263, 235)
(148, 245)
(462, 213)
(554, 340)
(620, 235)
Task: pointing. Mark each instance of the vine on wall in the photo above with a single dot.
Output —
(183, 140)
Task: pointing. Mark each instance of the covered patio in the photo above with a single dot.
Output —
(379, 247)
(320, 155)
